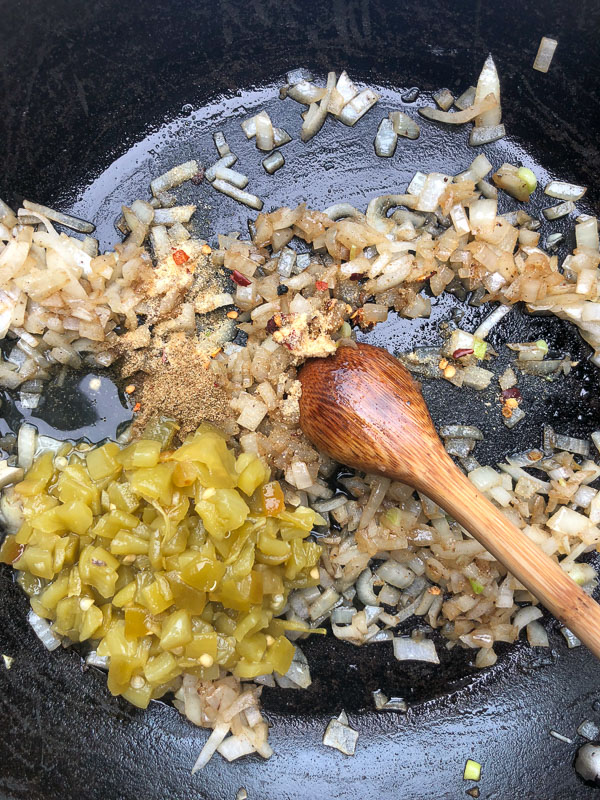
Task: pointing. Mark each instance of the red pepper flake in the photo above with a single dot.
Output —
(180, 257)
(137, 407)
(198, 177)
(514, 392)
(240, 279)
(462, 351)
(322, 286)
(356, 276)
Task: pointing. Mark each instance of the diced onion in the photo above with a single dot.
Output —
(298, 675)
(313, 121)
(526, 615)
(280, 137)
(169, 216)
(403, 125)
(478, 169)
(43, 631)
(62, 219)
(235, 747)
(342, 211)
(461, 432)
(221, 144)
(565, 191)
(304, 92)
(489, 103)
(444, 99)
(294, 76)
(417, 183)
(586, 234)
(434, 186)
(217, 735)
(395, 704)
(273, 162)
(264, 131)
(488, 83)
(226, 161)
(484, 478)
(9, 475)
(589, 730)
(94, 660)
(466, 99)
(358, 107)
(341, 737)
(567, 521)
(174, 177)
(487, 190)
(395, 574)
(570, 638)
(324, 603)
(486, 135)
(580, 447)
(536, 635)
(545, 54)
(561, 210)
(343, 92)
(364, 588)
(490, 321)
(408, 649)
(581, 573)
(26, 445)
(250, 200)
(386, 139)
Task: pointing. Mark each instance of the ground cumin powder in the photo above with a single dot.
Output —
(177, 381)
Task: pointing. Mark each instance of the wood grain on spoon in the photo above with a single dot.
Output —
(363, 408)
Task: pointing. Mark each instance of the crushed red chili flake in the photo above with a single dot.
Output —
(240, 279)
(180, 257)
(198, 177)
(322, 286)
(514, 392)
(462, 351)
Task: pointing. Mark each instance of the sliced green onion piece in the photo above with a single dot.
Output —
(479, 348)
(528, 178)
(345, 331)
(472, 771)
(542, 344)
(478, 589)
(392, 518)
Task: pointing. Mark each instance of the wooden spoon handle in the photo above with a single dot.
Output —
(556, 590)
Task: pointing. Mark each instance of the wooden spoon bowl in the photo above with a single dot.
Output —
(364, 409)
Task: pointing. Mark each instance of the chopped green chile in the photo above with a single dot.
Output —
(182, 567)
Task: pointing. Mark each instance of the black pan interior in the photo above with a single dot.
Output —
(142, 87)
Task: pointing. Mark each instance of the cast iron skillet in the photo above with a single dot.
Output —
(82, 84)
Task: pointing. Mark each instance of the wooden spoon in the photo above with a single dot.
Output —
(363, 408)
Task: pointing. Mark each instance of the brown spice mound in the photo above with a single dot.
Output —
(180, 384)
